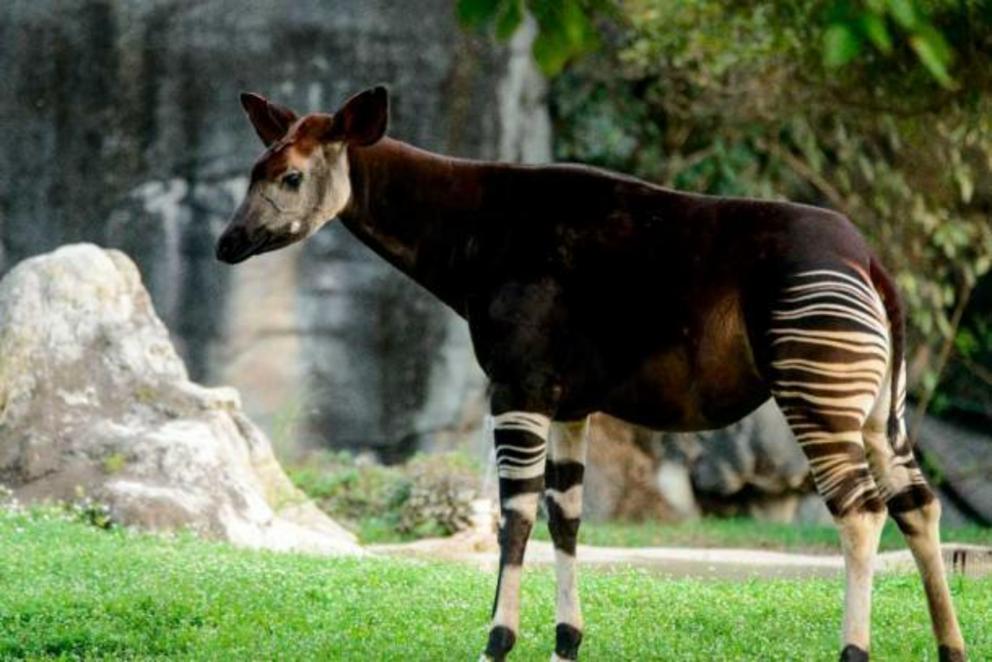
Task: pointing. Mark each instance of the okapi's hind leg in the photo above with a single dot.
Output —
(563, 500)
(828, 348)
(916, 510)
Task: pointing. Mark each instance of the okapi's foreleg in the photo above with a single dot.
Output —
(520, 435)
(563, 500)
(916, 510)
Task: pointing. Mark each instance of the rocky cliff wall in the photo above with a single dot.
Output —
(119, 124)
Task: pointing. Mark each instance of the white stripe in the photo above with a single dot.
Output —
(814, 291)
(869, 365)
(537, 424)
(856, 349)
(830, 310)
(521, 473)
(827, 272)
(825, 386)
(524, 504)
(570, 501)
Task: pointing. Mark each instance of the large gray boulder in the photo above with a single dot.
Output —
(754, 467)
(94, 400)
(961, 458)
(758, 453)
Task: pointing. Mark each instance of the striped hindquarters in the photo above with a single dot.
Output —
(829, 342)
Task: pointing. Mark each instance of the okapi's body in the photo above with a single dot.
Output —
(586, 291)
(647, 303)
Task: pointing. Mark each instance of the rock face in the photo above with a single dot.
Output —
(963, 459)
(122, 126)
(93, 397)
(621, 481)
(754, 467)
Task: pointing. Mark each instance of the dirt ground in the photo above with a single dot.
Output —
(481, 549)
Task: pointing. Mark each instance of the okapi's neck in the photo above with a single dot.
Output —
(413, 207)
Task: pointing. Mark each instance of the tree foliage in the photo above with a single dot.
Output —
(565, 28)
(881, 109)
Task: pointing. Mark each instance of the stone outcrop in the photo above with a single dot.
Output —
(94, 400)
(621, 480)
(962, 459)
(753, 467)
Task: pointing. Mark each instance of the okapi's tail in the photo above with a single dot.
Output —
(892, 302)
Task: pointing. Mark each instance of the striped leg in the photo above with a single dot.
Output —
(521, 439)
(917, 512)
(829, 348)
(563, 499)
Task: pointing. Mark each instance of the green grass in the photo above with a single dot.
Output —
(72, 591)
(743, 533)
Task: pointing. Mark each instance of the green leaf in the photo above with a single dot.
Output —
(511, 15)
(575, 24)
(930, 54)
(550, 52)
(564, 31)
(904, 13)
(477, 13)
(840, 45)
(874, 27)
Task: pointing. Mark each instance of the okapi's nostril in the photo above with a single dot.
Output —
(229, 244)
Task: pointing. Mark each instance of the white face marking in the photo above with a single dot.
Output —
(323, 193)
(338, 192)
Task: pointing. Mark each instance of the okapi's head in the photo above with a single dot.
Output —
(301, 181)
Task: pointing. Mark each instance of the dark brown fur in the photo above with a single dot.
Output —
(624, 297)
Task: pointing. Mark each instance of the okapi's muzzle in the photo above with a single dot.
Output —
(237, 245)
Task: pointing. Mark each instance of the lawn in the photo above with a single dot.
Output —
(744, 533)
(73, 591)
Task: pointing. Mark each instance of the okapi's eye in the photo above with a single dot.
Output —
(292, 180)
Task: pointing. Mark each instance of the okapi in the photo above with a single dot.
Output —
(587, 291)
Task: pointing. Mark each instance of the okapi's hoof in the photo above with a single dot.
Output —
(852, 653)
(567, 640)
(501, 640)
(948, 654)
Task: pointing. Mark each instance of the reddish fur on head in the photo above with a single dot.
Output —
(294, 147)
(362, 120)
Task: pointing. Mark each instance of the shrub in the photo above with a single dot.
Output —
(440, 495)
(430, 495)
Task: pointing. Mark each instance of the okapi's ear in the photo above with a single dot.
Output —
(271, 121)
(363, 118)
